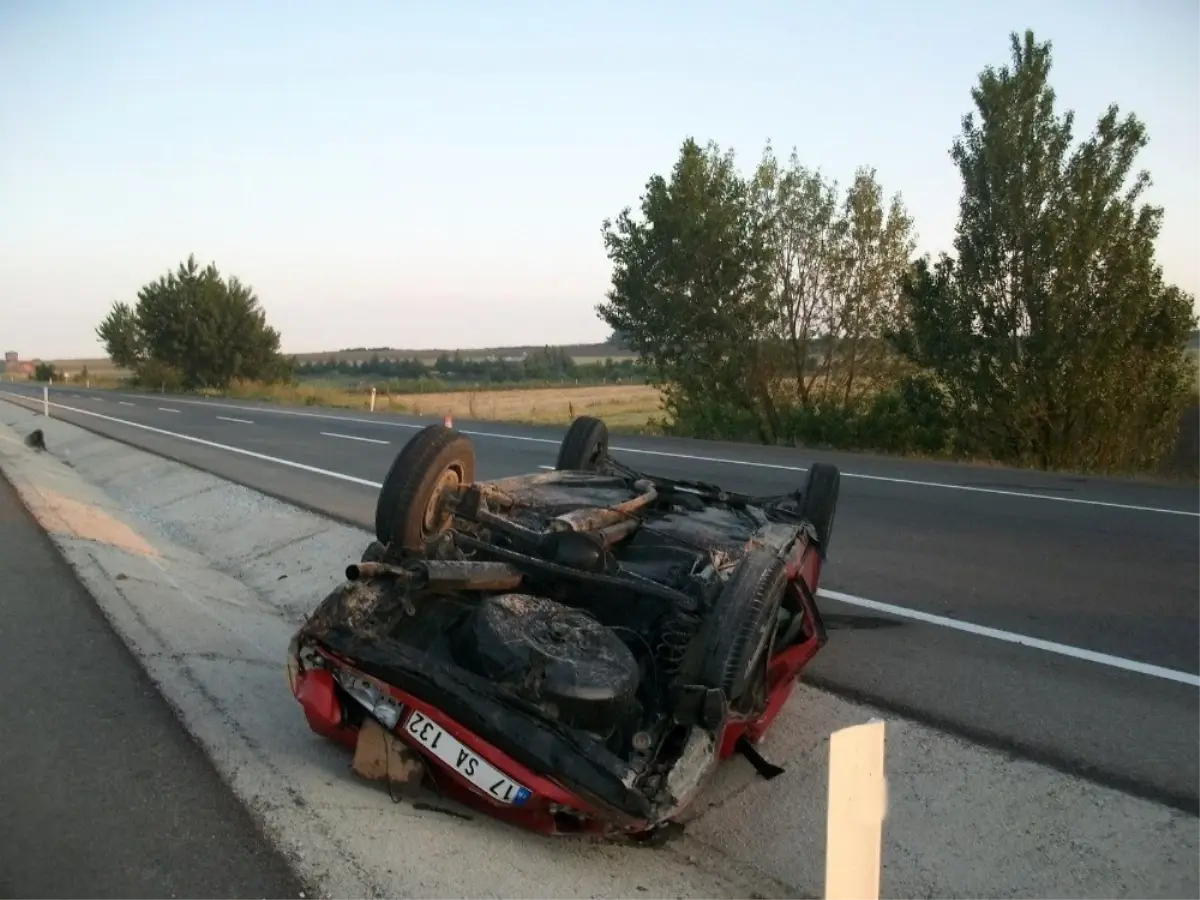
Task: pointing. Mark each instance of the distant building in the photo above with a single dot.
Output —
(14, 366)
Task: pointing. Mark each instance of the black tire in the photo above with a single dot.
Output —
(819, 502)
(742, 623)
(584, 447)
(554, 657)
(375, 552)
(435, 458)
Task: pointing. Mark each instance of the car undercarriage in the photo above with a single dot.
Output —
(592, 639)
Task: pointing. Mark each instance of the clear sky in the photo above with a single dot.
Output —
(436, 175)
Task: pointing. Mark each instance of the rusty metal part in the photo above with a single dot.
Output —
(612, 534)
(500, 493)
(537, 490)
(363, 570)
(500, 523)
(459, 575)
(439, 511)
(471, 575)
(598, 518)
(516, 482)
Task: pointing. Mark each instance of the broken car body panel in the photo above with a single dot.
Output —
(575, 650)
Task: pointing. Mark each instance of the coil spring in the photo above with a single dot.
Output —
(676, 634)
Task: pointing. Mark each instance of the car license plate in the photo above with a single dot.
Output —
(467, 763)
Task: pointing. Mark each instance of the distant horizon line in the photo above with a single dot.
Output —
(494, 348)
(1194, 342)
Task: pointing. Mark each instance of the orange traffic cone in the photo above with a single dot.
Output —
(449, 423)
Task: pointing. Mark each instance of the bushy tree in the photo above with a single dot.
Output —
(802, 234)
(1052, 335)
(689, 288)
(754, 297)
(877, 250)
(45, 372)
(194, 329)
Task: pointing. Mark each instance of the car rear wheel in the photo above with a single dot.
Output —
(584, 447)
(411, 510)
(818, 504)
(742, 624)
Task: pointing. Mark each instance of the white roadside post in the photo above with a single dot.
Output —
(857, 808)
(372, 399)
(45, 400)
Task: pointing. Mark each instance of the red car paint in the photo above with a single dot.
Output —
(552, 809)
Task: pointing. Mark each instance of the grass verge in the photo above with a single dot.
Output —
(625, 406)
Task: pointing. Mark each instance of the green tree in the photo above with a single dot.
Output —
(617, 339)
(45, 372)
(690, 291)
(875, 252)
(802, 233)
(755, 298)
(835, 268)
(1052, 336)
(193, 328)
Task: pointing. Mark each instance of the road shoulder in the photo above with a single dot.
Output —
(107, 795)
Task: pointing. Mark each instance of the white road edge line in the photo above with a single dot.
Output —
(1104, 659)
(353, 437)
(203, 443)
(1079, 653)
(232, 419)
(1026, 495)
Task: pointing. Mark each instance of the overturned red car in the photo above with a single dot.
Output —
(573, 650)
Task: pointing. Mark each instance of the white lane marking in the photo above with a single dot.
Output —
(232, 419)
(549, 468)
(353, 437)
(167, 409)
(1025, 495)
(1103, 659)
(996, 634)
(125, 403)
(97, 399)
(203, 443)
(1029, 495)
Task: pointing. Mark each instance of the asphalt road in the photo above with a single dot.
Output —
(105, 794)
(1094, 566)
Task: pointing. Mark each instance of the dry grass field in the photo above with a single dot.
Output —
(101, 368)
(621, 405)
(628, 406)
(631, 405)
